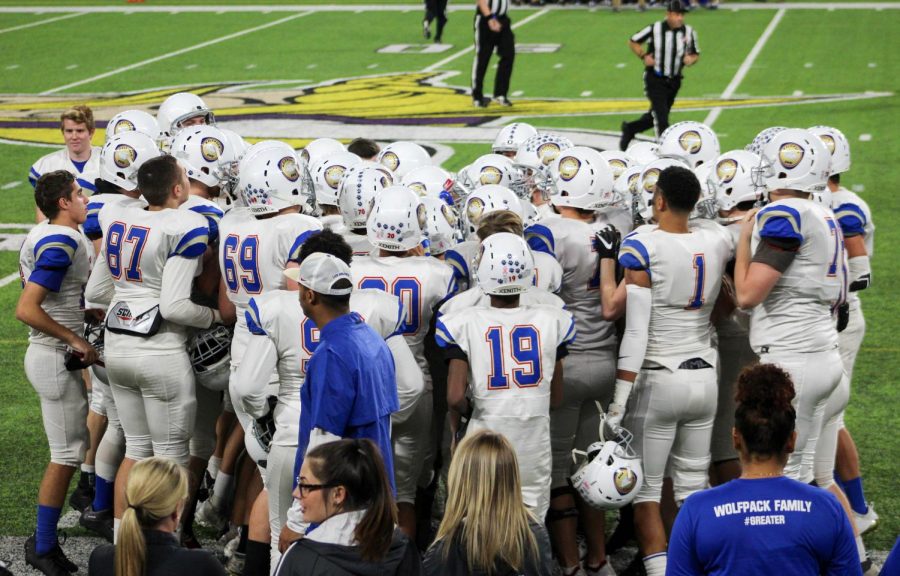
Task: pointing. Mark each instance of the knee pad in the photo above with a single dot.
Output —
(110, 453)
(97, 398)
(689, 475)
(138, 449)
(555, 515)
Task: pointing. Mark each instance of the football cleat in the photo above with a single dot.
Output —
(83, 494)
(210, 516)
(53, 563)
(99, 522)
(866, 522)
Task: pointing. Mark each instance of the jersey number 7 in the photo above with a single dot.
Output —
(524, 349)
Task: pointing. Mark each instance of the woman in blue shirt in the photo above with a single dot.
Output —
(763, 521)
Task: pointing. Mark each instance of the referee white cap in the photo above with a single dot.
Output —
(320, 273)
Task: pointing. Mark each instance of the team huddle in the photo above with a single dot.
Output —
(595, 308)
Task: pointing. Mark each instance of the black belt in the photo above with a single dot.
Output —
(692, 364)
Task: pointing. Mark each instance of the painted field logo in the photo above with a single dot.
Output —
(625, 480)
(691, 142)
(726, 169)
(569, 167)
(790, 155)
(124, 155)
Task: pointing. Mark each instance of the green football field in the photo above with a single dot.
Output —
(306, 71)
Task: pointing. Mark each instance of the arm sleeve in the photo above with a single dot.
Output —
(294, 251)
(694, 47)
(637, 324)
(682, 560)
(410, 382)
(192, 244)
(34, 174)
(91, 225)
(780, 225)
(448, 343)
(774, 255)
(851, 218)
(53, 254)
(175, 303)
(860, 273)
(100, 288)
(252, 377)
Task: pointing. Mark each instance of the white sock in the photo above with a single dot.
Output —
(88, 468)
(116, 522)
(655, 564)
(221, 489)
(861, 549)
(213, 466)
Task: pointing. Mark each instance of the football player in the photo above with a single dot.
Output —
(509, 358)
(359, 185)
(511, 137)
(533, 160)
(855, 219)
(422, 283)
(327, 174)
(55, 261)
(582, 179)
(151, 257)
(179, 111)
(666, 353)
(78, 157)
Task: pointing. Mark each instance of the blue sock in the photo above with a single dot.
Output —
(103, 494)
(45, 536)
(854, 490)
(839, 482)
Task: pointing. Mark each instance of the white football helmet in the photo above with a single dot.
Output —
(206, 153)
(263, 146)
(327, 174)
(441, 225)
(837, 146)
(705, 207)
(132, 120)
(732, 179)
(435, 182)
(489, 169)
(693, 142)
(123, 155)
(642, 152)
(319, 149)
(618, 161)
(237, 141)
(581, 179)
(210, 352)
(649, 176)
(794, 159)
(762, 138)
(533, 161)
(397, 221)
(626, 188)
(612, 474)
(401, 157)
(273, 178)
(504, 265)
(512, 136)
(179, 108)
(486, 199)
(359, 185)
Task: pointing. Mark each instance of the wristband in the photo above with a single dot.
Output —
(493, 16)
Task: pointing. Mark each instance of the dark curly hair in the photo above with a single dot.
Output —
(765, 416)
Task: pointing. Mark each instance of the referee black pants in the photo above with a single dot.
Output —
(486, 42)
(436, 9)
(661, 92)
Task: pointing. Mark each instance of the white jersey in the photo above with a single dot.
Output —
(512, 354)
(476, 298)
(686, 274)
(91, 226)
(548, 274)
(58, 258)
(573, 244)
(137, 244)
(278, 316)
(209, 210)
(420, 282)
(736, 324)
(359, 243)
(60, 160)
(333, 222)
(796, 316)
(854, 217)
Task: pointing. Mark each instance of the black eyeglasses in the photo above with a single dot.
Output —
(305, 489)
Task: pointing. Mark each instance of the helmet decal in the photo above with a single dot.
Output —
(691, 141)
(211, 148)
(124, 155)
(288, 167)
(569, 167)
(726, 170)
(790, 155)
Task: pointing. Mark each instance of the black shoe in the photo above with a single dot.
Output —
(479, 103)
(83, 494)
(4, 569)
(426, 29)
(53, 563)
(437, 39)
(627, 137)
(503, 101)
(99, 522)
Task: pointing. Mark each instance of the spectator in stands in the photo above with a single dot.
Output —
(146, 545)
(486, 528)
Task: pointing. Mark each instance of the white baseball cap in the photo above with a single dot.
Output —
(320, 272)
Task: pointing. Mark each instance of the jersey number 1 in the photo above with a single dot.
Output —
(697, 298)
(525, 352)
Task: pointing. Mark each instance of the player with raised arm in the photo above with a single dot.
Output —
(54, 262)
(508, 359)
(667, 354)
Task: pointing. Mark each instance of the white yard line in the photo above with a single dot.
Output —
(359, 8)
(175, 53)
(745, 66)
(437, 65)
(42, 22)
(9, 279)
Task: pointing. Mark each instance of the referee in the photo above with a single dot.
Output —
(671, 45)
(492, 31)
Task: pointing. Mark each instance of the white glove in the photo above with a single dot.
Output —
(614, 416)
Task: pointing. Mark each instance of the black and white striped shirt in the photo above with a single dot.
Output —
(498, 7)
(668, 46)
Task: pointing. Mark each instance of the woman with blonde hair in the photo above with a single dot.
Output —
(146, 544)
(487, 530)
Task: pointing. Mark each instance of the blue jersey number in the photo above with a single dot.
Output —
(409, 290)
(309, 341)
(832, 267)
(697, 299)
(524, 351)
(117, 235)
(241, 253)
